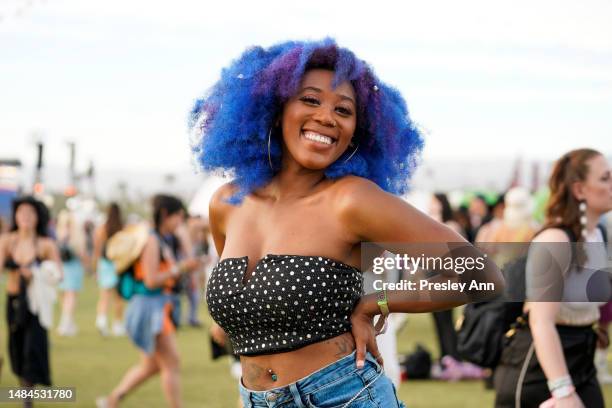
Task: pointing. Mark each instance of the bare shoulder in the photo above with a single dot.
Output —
(352, 190)
(220, 197)
(551, 235)
(219, 204)
(100, 231)
(47, 246)
(4, 240)
(358, 196)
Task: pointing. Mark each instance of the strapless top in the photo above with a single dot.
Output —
(289, 301)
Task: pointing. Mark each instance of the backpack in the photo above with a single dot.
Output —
(131, 280)
(125, 246)
(484, 324)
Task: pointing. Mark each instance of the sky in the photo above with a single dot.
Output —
(483, 79)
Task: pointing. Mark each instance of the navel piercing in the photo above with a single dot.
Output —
(272, 374)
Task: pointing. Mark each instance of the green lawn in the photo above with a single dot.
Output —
(93, 365)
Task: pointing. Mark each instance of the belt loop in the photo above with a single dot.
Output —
(297, 398)
(370, 357)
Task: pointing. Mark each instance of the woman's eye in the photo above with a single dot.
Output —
(344, 111)
(310, 100)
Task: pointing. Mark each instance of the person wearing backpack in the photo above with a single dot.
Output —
(547, 360)
(151, 319)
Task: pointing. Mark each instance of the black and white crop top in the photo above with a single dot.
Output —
(289, 301)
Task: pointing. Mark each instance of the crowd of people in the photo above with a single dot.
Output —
(53, 252)
(287, 294)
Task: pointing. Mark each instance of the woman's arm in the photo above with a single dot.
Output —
(98, 244)
(546, 338)
(3, 246)
(153, 278)
(52, 253)
(372, 215)
(540, 273)
(218, 210)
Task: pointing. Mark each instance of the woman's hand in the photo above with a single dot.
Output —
(603, 339)
(190, 264)
(26, 273)
(571, 401)
(364, 334)
(218, 334)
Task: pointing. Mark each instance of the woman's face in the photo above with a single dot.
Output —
(172, 221)
(319, 121)
(596, 190)
(26, 217)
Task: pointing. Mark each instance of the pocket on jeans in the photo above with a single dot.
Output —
(337, 393)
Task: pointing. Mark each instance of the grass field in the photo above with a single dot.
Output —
(94, 364)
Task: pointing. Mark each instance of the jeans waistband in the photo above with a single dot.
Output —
(304, 386)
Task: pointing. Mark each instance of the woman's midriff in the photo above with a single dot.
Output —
(12, 283)
(293, 365)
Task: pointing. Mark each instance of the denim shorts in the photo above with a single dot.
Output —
(340, 384)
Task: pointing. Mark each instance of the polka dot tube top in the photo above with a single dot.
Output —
(289, 301)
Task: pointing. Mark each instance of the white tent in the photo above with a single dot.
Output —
(199, 203)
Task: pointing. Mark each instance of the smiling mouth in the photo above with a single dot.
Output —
(318, 138)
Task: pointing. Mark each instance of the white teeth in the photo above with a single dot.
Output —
(318, 138)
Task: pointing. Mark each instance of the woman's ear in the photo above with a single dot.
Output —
(578, 190)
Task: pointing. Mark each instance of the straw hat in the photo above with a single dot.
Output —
(125, 246)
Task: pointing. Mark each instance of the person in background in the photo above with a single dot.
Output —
(601, 353)
(89, 230)
(441, 211)
(72, 250)
(516, 222)
(198, 232)
(488, 228)
(151, 316)
(462, 217)
(451, 367)
(549, 358)
(107, 275)
(479, 212)
(21, 250)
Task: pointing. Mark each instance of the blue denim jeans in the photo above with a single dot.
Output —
(340, 384)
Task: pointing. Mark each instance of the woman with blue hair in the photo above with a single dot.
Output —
(318, 148)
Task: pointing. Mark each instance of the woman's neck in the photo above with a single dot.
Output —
(163, 230)
(294, 181)
(592, 221)
(26, 234)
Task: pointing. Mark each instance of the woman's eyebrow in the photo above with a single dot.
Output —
(315, 89)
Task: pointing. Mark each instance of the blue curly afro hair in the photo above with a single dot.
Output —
(232, 120)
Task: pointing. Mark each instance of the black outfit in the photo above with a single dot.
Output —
(578, 344)
(447, 336)
(290, 301)
(27, 339)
